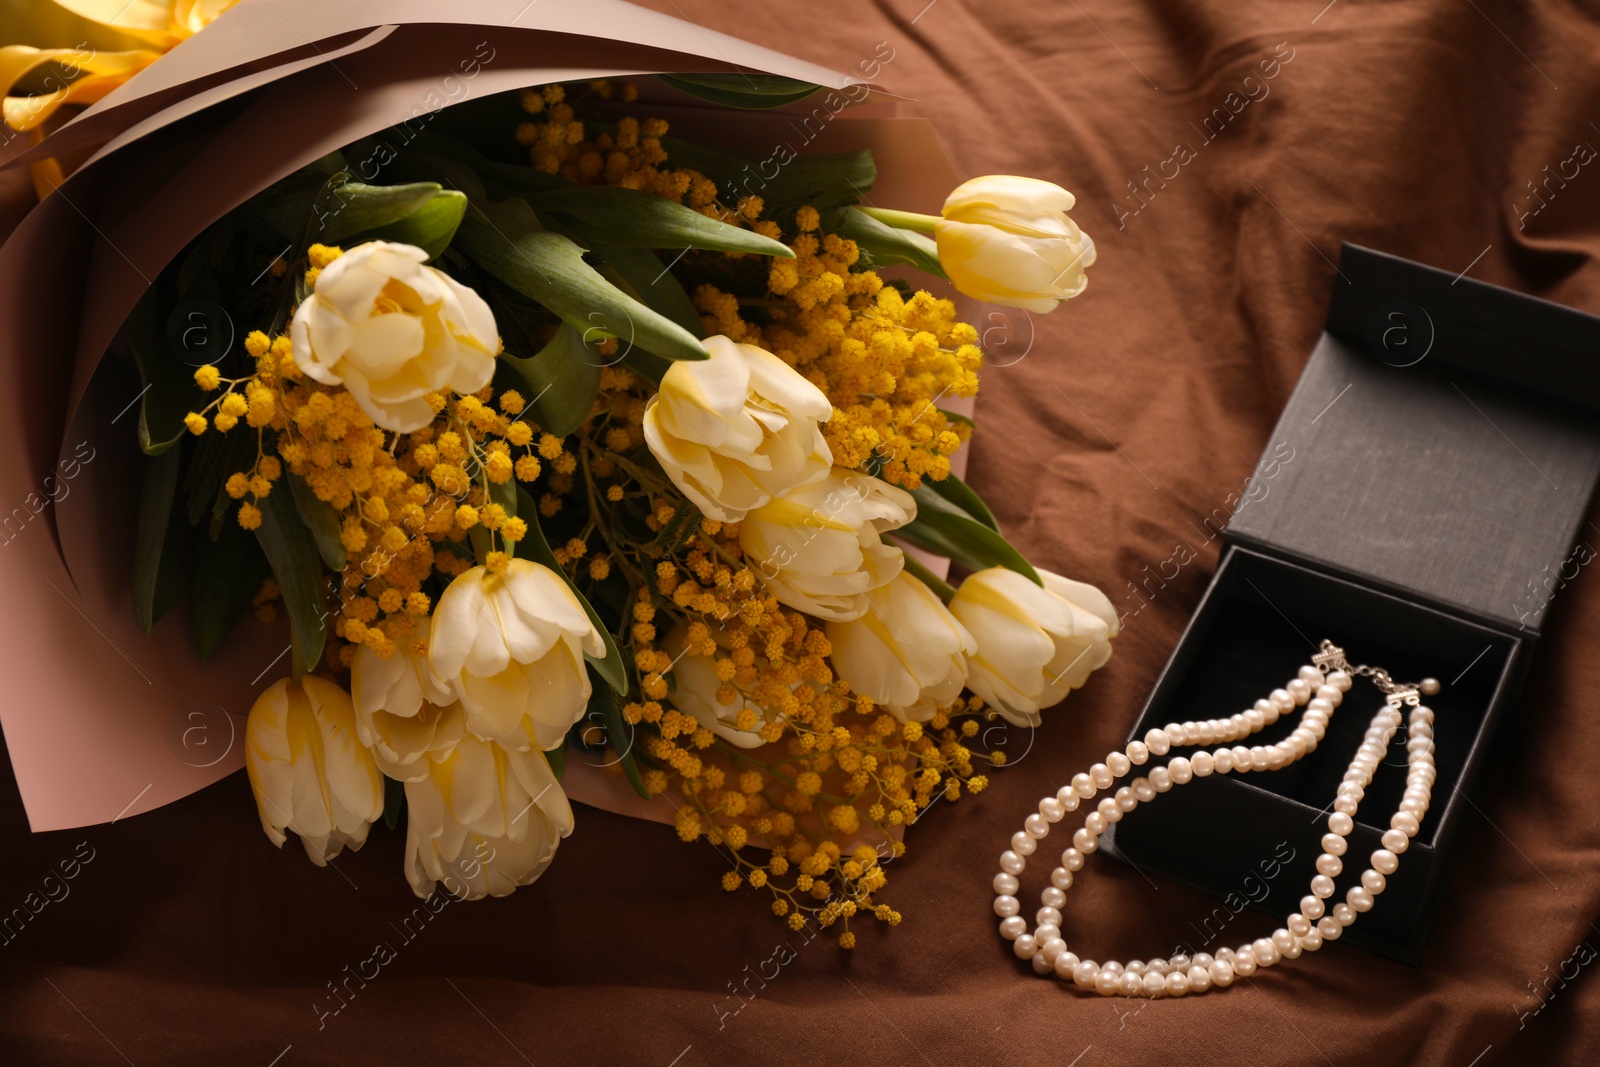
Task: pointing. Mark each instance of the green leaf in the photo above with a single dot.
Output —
(394, 801)
(535, 547)
(216, 456)
(886, 245)
(953, 490)
(944, 529)
(169, 389)
(559, 382)
(292, 551)
(431, 227)
(619, 737)
(320, 518)
(158, 546)
(639, 273)
(506, 240)
(754, 92)
(227, 577)
(956, 416)
(632, 218)
(348, 208)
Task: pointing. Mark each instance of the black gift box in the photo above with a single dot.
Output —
(1420, 503)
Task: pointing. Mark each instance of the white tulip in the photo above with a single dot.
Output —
(818, 546)
(512, 645)
(308, 769)
(1034, 644)
(483, 820)
(400, 704)
(392, 330)
(908, 653)
(736, 430)
(1008, 240)
(695, 691)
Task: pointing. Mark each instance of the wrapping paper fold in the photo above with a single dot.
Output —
(103, 721)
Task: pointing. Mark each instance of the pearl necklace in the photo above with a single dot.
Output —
(1320, 687)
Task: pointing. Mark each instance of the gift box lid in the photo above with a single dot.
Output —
(1443, 442)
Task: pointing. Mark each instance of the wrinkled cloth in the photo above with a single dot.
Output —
(1113, 431)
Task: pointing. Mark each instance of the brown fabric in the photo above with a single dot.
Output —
(1135, 412)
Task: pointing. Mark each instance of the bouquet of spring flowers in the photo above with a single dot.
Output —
(548, 431)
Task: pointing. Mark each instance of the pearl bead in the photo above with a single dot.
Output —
(1385, 862)
(1331, 694)
(1179, 770)
(1095, 824)
(1429, 687)
(1006, 906)
(1134, 967)
(1126, 801)
(1069, 798)
(1179, 962)
(1154, 983)
(1047, 929)
(1312, 940)
(1299, 690)
(1005, 884)
(1281, 700)
(1025, 947)
(1310, 675)
(1242, 760)
(1334, 845)
(1329, 928)
(1329, 865)
(1138, 752)
(1040, 964)
(1157, 742)
(1312, 907)
(1119, 764)
(1405, 822)
(1340, 681)
(1083, 785)
(1160, 779)
(1359, 898)
(1101, 775)
(1202, 764)
(1266, 953)
(1283, 940)
(1061, 878)
(1130, 984)
(1143, 791)
(1344, 914)
(1052, 949)
(1223, 758)
(1109, 811)
(1036, 825)
(1199, 978)
(1345, 804)
(1053, 898)
(1106, 983)
(1177, 984)
(1066, 966)
(1051, 809)
(1023, 843)
(1373, 882)
(1072, 860)
(1085, 973)
(1244, 963)
(1177, 735)
(1084, 841)
(1322, 886)
(1013, 927)
(1012, 863)
(1221, 974)
(1341, 823)
(1299, 924)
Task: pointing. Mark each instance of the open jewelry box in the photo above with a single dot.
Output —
(1421, 502)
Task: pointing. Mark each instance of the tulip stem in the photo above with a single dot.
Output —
(941, 588)
(902, 220)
